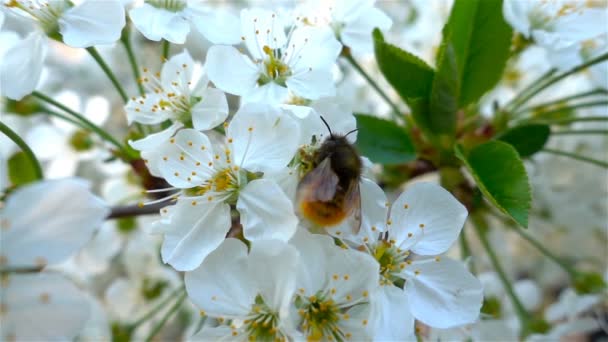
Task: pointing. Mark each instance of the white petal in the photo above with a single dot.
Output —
(269, 28)
(316, 48)
(357, 273)
(270, 93)
(393, 320)
(93, 22)
(21, 66)
(211, 111)
(156, 24)
(312, 84)
(46, 140)
(193, 232)
(218, 26)
(142, 110)
(313, 249)
(178, 69)
(220, 286)
(433, 207)
(264, 138)
(49, 221)
(42, 307)
(358, 34)
(97, 110)
(266, 212)
(230, 70)
(212, 334)
(271, 265)
(185, 161)
(154, 140)
(444, 294)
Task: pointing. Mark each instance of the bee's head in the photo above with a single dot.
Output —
(332, 135)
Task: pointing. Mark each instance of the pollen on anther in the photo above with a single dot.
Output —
(190, 143)
(336, 277)
(172, 140)
(421, 225)
(417, 272)
(438, 258)
(409, 235)
(250, 129)
(374, 228)
(406, 206)
(198, 163)
(349, 297)
(346, 277)
(210, 163)
(45, 298)
(202, 313)
(230, 140)
(389, 222)
(210, 198)
(176, 174)
(213, 298)
(193, 202)
(364, 322)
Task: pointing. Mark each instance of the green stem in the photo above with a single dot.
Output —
(97, 57)
(481, 227)
(157, 308)
(560, 77)
(63, 117)
(562, 100)
(166, 317)
(91, 126)
(573, 107)
(566, 121)
(569, 269)
(581, 131)
(576, 157)
(530, 88)
(25, 148)
(126, 42)
(396, 111)
(166, 48)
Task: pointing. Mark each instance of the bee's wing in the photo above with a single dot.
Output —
(319, 184)
(352, 205)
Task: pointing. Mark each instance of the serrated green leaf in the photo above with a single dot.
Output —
(383, 141)
(409, 75)
(527, 139)
(500, 175)
(482, 40)
(444, 93)
(20, 169)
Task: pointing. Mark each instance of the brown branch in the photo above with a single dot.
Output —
(136, 210)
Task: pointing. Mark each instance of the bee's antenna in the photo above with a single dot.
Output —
(353, 131)
(326, 125)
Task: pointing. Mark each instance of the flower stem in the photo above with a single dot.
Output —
(91, 126)
(562, 100)
(566, 121)
(166, 317)
(550, 81)
(97, 57)
(517, 100)
(581, 131)
(25, 148)
(573, 107)
(166, 48)
(481, 226)
(569, 269)
(63, 117)
(576, 157)
(396, 111)
(126, 42)
(179, 291)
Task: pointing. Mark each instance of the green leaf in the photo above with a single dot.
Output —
(20, 169)
(383, 141)
(444, 93)
(482, 41)
(501, 177)
(527, 139)
(409, 75)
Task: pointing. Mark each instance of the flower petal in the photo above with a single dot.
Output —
(193, 232)
(221, 286)
(42, 307)
(264, 138)
(277, 283)
(357, 35)
(230, 70)
(211, 111)
(186, 158)
(393, 320)
(49, 221)
(156, 24)
(431, 210)
(312, 84)
(218, 26)
(266, 212)
(92, 22)
(21, 66)
(443, 294)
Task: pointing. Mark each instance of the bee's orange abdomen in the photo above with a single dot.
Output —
(323, 213)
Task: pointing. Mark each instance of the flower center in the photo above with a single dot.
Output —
(46, 13)
(275, 69)
(392, 260)
(224, 183)
(320, 317)
(262, 324)
(169, 5)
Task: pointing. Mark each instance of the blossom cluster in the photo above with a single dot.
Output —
(221, 131)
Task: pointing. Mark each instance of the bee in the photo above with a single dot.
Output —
(329, 194)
